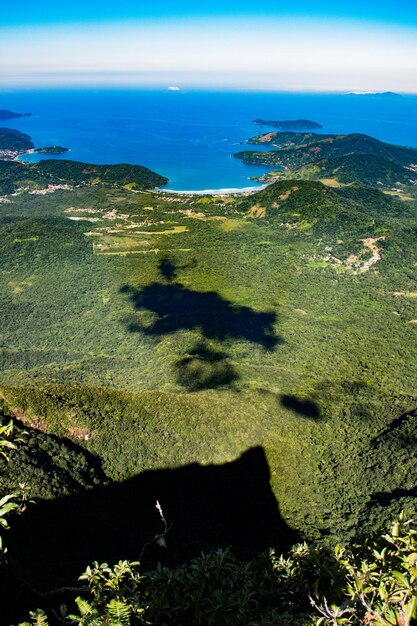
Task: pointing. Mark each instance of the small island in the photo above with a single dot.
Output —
(52, 150)
(379, 94)
(289, 124)
(11, 115)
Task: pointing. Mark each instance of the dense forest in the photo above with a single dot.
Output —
(296, 149)
(219, 387)
(289, 124)
(36, 176)
(52, 150)
(364, 169)
(11, 139)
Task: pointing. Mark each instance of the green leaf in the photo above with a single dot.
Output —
(119, 612)
(401, 578)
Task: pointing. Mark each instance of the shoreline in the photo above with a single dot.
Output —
(223, 191)
(227, 191)
(20, 156)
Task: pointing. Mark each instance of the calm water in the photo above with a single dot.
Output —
(190, 137)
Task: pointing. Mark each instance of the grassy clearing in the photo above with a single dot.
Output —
(331, 182)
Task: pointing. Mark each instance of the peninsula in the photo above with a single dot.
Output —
(14, 143)
(289, 124)
(11, 115)
(296, 150)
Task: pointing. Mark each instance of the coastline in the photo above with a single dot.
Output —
(227, 191)
(20, 157)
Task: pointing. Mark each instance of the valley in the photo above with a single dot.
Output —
(143, 331)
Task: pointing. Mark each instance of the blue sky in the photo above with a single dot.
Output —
(322, 45)
(54, 11)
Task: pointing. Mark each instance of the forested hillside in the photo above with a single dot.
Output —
(359, 168)
(37, 176)
(248, 361)
(11, 139)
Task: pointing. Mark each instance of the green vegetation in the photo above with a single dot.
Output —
(207, 391)
(15, 175)
(9, 503)
(296, 149)
(289, 124)
(52, 150)
(136, 176)
(372, 583)
(49, 466)
(221, 355)
(336, 160)
(364, 169)
(290, 139)
(14, 140)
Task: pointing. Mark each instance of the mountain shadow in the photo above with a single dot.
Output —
(178, 308)
(49, 465)
(384, 498)
(395, 426)
(302, 406)
(205, 368)
(169, 269)
(207, 507)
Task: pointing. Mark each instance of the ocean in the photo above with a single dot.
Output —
(190, 136)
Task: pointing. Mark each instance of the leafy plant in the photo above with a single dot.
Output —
(37, 618)
(380, 580)
(7, 439)
(117, 596)
(13, 501)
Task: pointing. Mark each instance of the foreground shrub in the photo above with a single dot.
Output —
(373, 584)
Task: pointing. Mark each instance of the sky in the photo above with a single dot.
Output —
(304, 45)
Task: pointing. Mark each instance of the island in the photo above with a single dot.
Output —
(379, 94)
(11, 115)
(289, 124)
(52, 150)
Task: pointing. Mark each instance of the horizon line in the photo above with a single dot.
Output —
(184, 89)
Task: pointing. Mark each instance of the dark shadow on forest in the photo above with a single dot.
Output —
(395, 427)
(47, 459)
(207, 507)
(301, 406)
(178, 308)
(205, 368)
(169, 269)
(384, 498)
(325, 393)
(175, 307)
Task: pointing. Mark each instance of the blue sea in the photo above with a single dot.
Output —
(190, 136)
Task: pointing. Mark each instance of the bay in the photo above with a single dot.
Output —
(190, 136)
